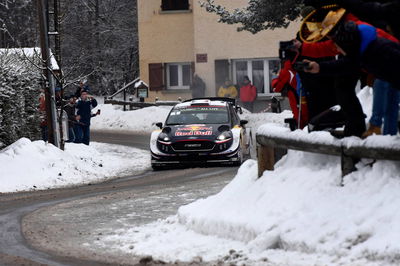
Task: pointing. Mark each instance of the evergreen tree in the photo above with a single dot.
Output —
(19, 94)
(258, 15)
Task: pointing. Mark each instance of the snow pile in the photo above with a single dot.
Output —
(142, 121)
(297, 214)
(258, 119)
(35, 165)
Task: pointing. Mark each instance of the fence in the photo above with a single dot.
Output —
(350, 151)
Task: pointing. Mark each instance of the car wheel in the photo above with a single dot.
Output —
(239, 156)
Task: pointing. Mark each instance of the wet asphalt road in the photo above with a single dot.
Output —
(16, 250)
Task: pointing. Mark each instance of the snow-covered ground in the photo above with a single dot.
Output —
(28, 165)
(294, 215)
(297, 214)
(113, 118)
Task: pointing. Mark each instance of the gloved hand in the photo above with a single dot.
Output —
(319, 3)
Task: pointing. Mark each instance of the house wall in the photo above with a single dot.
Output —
(223, 41)
(178, 37)
(164, 37)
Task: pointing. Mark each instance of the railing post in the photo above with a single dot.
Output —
(265, 158)
(347, 164)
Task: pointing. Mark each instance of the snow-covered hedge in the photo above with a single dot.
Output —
(19, 94)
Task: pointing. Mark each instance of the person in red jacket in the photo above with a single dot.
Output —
(248, 94)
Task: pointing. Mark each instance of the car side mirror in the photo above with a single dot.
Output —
(243, 122)
(159, 124)
(239, 109)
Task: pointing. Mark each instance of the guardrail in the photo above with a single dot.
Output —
(137, 105)
(350, 150)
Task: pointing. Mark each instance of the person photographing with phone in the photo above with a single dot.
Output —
(84, 108)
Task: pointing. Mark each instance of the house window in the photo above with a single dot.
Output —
(168, 5)
(178, 75)
(260, 71)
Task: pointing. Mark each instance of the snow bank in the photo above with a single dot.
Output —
(299, 207)
(36, 165)
(294, 215)
(140, 121)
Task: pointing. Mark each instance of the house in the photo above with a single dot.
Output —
(178, 38)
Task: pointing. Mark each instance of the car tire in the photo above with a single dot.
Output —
(240, 157)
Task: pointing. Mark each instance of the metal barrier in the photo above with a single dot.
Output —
(138, 105)
(267, 144)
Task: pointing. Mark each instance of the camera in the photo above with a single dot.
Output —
(286, 45)
(301, 66)
(285, 50)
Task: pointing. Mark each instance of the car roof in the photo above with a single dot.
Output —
(202, 102)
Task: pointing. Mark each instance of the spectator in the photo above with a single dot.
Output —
(248, 94)
(72, 118)
(362, 47)
(82, 87)
(84, 106)
(228, 90)
(385, 107)
(198, 87)
(43, 117)
(345, 78)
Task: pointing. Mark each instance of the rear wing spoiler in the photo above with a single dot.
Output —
(231, 101)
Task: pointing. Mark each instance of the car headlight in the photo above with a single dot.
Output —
(227, 135)
(164, 137)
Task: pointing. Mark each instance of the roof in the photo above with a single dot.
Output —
(31, 52)
(201, 102)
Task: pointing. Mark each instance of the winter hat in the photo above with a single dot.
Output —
(320, 22)
(305, 11)
(347, 37)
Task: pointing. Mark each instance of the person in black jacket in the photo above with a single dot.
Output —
(84, 110)
(198, 87)
(363, 49)
(69, 108)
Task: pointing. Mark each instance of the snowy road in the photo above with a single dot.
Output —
(62, 223)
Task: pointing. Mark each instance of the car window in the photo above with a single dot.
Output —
(198, 115)
(235, 118)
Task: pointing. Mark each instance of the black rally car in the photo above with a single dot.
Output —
(206, 130)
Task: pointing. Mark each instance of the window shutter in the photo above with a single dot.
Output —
(221, 72)
(156, 77)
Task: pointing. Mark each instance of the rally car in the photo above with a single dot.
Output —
(206, 130)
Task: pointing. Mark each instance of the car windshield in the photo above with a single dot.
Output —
(198, 115)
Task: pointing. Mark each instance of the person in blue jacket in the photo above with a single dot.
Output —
(84, 108)
(363, 49)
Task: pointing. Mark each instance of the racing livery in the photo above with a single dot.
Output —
(205, 130)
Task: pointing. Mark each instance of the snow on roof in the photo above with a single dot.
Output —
(197, 102)
(31, 52)
(140, 83)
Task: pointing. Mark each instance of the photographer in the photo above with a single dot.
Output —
(84, 107)
(319, 90)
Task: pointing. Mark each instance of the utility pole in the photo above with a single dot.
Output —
(49, 85)
(57, 53)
